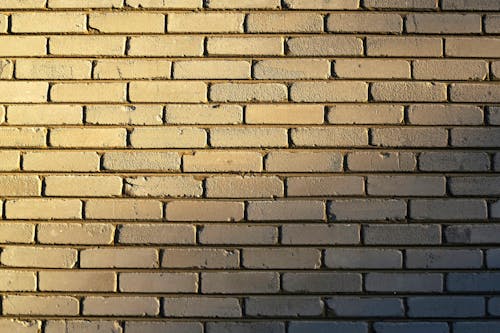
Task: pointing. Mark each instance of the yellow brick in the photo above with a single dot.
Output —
(10, 160)
(284, 114)
(23, 92)
(85, 4)
(175, 186)
(212, 69)
(18, 4)
(365, 22)
(20, 326)
(43, 209)
(83, 186)
(204, 211)
(165, 3)
(404, 46)
(205, 22)
(132, 22)
(20, 186)
(168, 137)
(88, 137)
(325, 46)
(87, 45)
(446, 69)
(17, 281)
(88, 281)
(325, 186)
(475, 93)
(6, 69)
(16, 233)
(40, 305)
(244, 187)
(410, 137)
(245, 46)
(303, 161)
(61, 161)
(40, 257)
(44, 114)
(409, 91)
(142, 161)
(473, 47)
(75, 233)
(53, 69)
(443, 23)
(366, 114)
(119, 257)
(152, 46)
(249, 137)
(124, 115)
(381, 161)
(203, 114)
(438, 114)
(252, 4)
(4, 23)
(49, 22)
(159, 282)
(132, 69)
(128, 306)
(248, 92)
(223, 161)
(172, 91)
(398, 4)
(330, 137)
(23, 45)
(157, 233)
(335, 91)
(292, 69)
(323, 4)
(88, 92)
(23, 137)
(117, 209)
(372, 69)
(285, 22)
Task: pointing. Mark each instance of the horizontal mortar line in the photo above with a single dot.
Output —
(91, 126)
(253, 80)
(244, 57)
(249, 149)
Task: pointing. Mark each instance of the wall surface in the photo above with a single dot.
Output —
(250, 166)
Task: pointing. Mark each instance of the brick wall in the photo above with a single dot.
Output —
(237, 166)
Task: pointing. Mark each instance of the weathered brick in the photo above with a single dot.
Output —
(158, 46)
(116, 209)
(240, 282)
(474, 92)
(406, 185)
(448, 209)
(88, 137)
(446, 306)
(409, 92)
(475, 137)
(292, 69)
(473, 282)
(88, 281)
(17, 281)
(414, 234)
(87, 45)
(23, 46)
(16, 233)
(85, 186)
(243, 187)
(168, 137)
(284, 114)
(40, 305)
(314, 234)
(237, 234)
(53, 69)
(40, 257)
(234, 46)
(435, 114)
(364, 258)
(156, 234)
(472, 47)
(321, 282)
(132, 69)
(471, 234)
(159, 282)
(381, 161)
(162, 326)
(325, 46)
(75, 233)
(222, 161)
(246, 92)
(142, 161)
(303, 161)
(21, 186)
(410, 137)
(326, 4)
(16, 4)
(443, 23)
(177, 186)
(85, 4)
(6, 71)
(245, 327)
(284, 306)
(325, 186)
(42, 209)
(119, 258)
(444, 258)
(248, 137)
(212, 69)
(203, 114)
(121, 305)
(61, 161)
(364, 22)
(48, 22)
(204, 211)
(330, 137)
(470, 4)
(88, 92)
(205, 22)
(445, 69)
(404, 282)
(372, 68)
(281, 258)
(138, 22)
(336, 91)
(486, 186)
(124, 115)
(23, 91)
(164, 4)
(82, 326)
(200, 258)
(201, 307)
(492, 24)
(286, 210)
(398, 4)
(10, 160)
(20, 326)
(284, 22)
(404, 46)
(349, 306)
(363, 209)
(44, 114)
(168, 91)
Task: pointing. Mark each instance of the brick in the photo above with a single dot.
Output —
(476, 327)
(156, 234)
(48, 22)
(364, 209)
(286, 210)
(85, 4)
(495, 209)
(10, 160)
(40, 257)
(205, 22)
(119, 258)
(475, 137)
(325, 326)
(116, 209)
(16, 233)
(364, 22)
(292, 69)
(88, 92)
(445, 70)
(413, 234)
(212, 69)
(248, 92)
(470, 4)
(162, 326)
(178, 186)
(234, 46)
(53, 69)
(493, 258)
(284, 114)
(329, 137)
(87, 45)
(159, 282)
(40, 305)
(141, 161)
(398, 4)
(434, 114)
(88, 137)
(495, 69)
(321, 282)
(6, 70)
(473, 282)
(132, 22)
(42, 209)
(75, 233)
(303, 161)
(408, 92)
(363, 258)
(492, 24)
(88, 281)
(245, 327)
(17, 281)
(44, 114)
(349, 306)
(204, 211)
(168, 137)
(485, 186)
(404, 46)
(200, 258)
(406, 185)
(381, 161)
(82, 326)
(372, 68)
(163, 4)
(404, 282)
(472, 47)
(23, 92)
(85, 186)
(444, 258)
(237, 234)
(328, 4)
(124, 115)
(281, 258)
(457, 209)
(320, 234)
(284, 22)
(411, 327)
(494, 306)
(222, 161)
(243, 187)
(471, 234)
(124, 306)
(16, 4)
(132, 69)
(325, 186)
(23, 186)
(203, 114)
(443, 23)
(284, 306)
(329, 92)
(410, 137)
(69, 161)
(248, 137)
(474, 93)
(20, 326)
(325, 46)
(240, 282)
(23, 46)
(201, 307)
(166, 91)
(446, 306)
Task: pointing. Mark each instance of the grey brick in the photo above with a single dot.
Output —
(201, 307)
(318, 234)
(494, 115)
(415, 327)
(404, 282)
(476, 282)
(473, 234)
(290, 258)
(475, 185)
(321, 282)
(475, 137)
(454, 161)
(448, 209)
(495, 209)
(364, 307)
(239, 282)
(284, 306)
(477, 327)
(444, 258)
(493, 258)
(409, 234)
(154, 326)
(494, 306)
(237, 234)
(406, 185)
(366, 210)
(327, 327)
(245, 327)
(446, 306)
(363, 258)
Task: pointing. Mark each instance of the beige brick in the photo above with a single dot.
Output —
(292, 69)
(49, 22)
(223, 161)
(365, 22)
(205, 211)
(325, 46)
(372, 69)
(168, 137)
(88, 281)
(85, 4)
(493, 115)
(44, 114)
(40, 305)
(42, 209)
(117, 209)
(16, 233)
(324, 4)
(481, 47)
(83, 186)
(82, 326)
(367, 210)
(2, 114)
(410, 137)
(174, 91)
(248, 137)
(23, 91)
(23, 46)
(330, 137)
(248, 92)
(151, 46)
(482, 93)
(163, 326)
(175, 186)
(142, 161)
(75, 233)
(366, 114)
(401, 4)
(245, 46)
(23, 137)
(164, 4)
(337, 91)
(495, 70)
(132, 69)
(303, 161)
(251, 4)
(492, 24)
(316, 234)
(10, 160)
(240, 282)
(16, 4)
(324, 186)
(88, 92)
(212, 69)
(284, 114)
(284, 22)
(6, 69)
(409, 91)
(437, 114)
(44, 257)
(20, 186)
(202, 307)
(119, 258)
(447, 70)
(286, 210)
(124, 115)
(159, 282)
(88, 137)
(475, 137)
(203, 114)
(454, 161)
(17, 281)
(120, 305)
(406, 185)
(281, 258)
(61, 161)
(132, 22)
(87, 45)
(200, 258)
(157, 234)
(205, 22)
(404, 46)
(243, 187)
(470, 4)
(381, 161)
(238, 234)
(443, 23)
